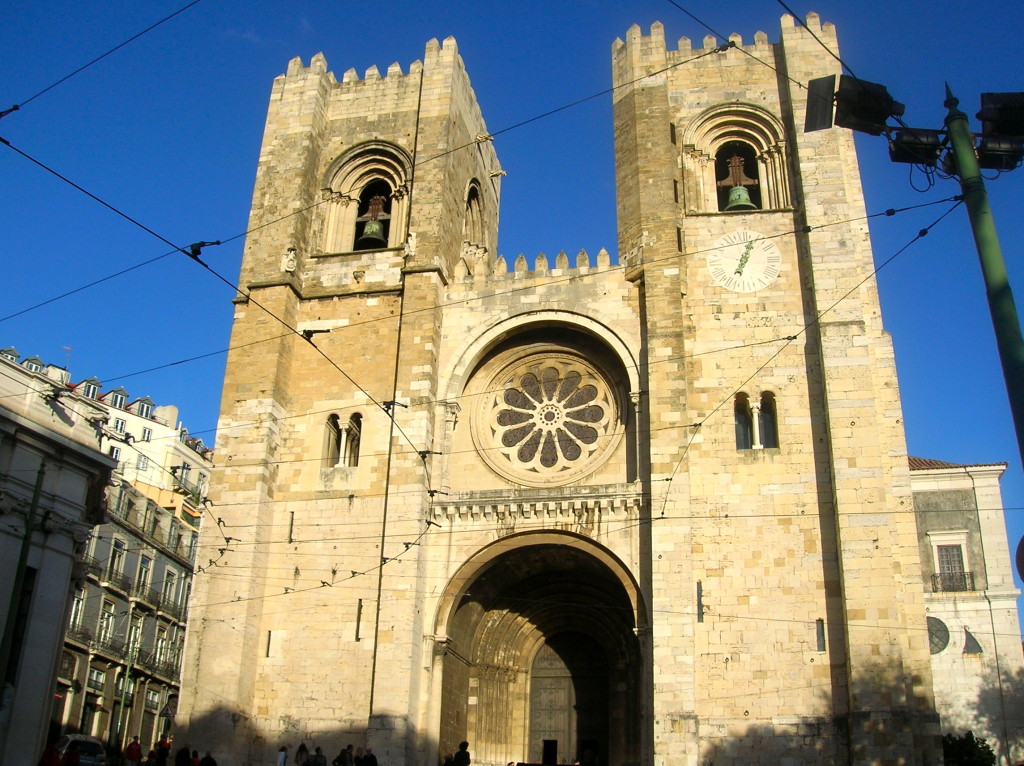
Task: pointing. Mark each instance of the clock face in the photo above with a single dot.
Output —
(744, 261)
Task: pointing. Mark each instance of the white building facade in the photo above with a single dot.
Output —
(53, 479)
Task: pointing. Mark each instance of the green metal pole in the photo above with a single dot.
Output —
(997, 285)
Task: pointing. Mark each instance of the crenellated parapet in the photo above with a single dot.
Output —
(643, 50)
(543, 266)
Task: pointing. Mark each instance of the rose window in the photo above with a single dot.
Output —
(547, 418)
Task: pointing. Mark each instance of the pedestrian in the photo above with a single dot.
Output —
(183, 757)
(195, 758)
(208, 760)
(282, 755)
(133, 752)
(369, 759)
(345, 757)
(357, 759)
(462, 756)
(318, 758)
(301, 754)
(163, 751)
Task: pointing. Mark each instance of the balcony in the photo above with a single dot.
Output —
(147, 661)
(173, 609)
(952, 582)
(146, 595)
(79, 634)
(111, 647)
(118, 581)
(168, 669)
(93, 567)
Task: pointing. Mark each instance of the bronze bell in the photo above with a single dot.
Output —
(739, 199)
(372, 237)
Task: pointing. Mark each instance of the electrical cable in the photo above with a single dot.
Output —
(312, 205)
(99, 58)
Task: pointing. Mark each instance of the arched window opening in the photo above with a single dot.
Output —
(341, 442)
(332, 442)
(757, 425)
(365, 191)
(353, 433)
(739, 149)
(737, 178)
(473, 227)
(373, 224)
(768, 421)
(744, 422)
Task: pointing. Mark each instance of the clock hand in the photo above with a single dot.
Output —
(744, 258)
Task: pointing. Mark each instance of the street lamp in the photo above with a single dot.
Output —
(866, 107)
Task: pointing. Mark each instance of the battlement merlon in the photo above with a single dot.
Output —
(435, 85)
(643, 54)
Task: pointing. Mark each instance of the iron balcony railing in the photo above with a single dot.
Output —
(112, 647)
(952, 582)
(146, 594)
(93, 566)
(168, 669)
(118, 580)
(173, 609)
(96, 684)
(79, 634)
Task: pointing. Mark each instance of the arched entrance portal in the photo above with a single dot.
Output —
(542, 664)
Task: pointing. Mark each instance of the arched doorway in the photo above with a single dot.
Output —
(542, 663)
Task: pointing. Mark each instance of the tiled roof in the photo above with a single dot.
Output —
(924, 464)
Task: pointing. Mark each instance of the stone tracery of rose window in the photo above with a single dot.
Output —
(547, 419)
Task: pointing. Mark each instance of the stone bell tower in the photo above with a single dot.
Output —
(773, 413)
(371, 194)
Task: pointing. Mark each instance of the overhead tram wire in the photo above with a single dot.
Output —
(890, 212)
(830, 52)
(321, 202)
(820, 42)
(311, 206)
(151, 27)
(193, 251)
(196, 249)
(224, 574)
(740, 48)
(816, 320)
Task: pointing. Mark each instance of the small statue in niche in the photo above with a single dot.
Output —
(358, 276)
(410, 245)
(290, 260)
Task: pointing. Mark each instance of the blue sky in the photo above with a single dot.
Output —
(168, 130)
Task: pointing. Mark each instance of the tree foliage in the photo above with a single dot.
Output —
(967, 750)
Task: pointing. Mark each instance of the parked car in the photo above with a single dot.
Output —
(90, 750)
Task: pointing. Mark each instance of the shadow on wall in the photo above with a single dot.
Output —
(887, 714)
(1000, 708)
(248, 745)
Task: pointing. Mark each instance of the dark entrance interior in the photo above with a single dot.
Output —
(569, 701)
(542, 663)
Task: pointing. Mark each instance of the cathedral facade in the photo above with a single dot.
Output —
(647, 510)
